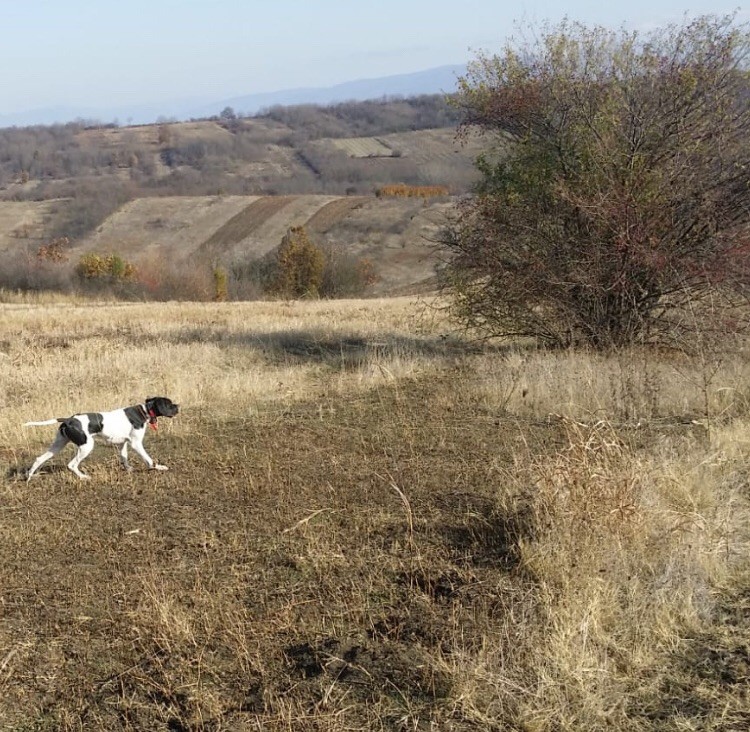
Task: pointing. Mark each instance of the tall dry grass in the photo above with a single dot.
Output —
(218, 358)
(371, 524)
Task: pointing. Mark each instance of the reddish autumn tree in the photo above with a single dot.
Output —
(615, 187)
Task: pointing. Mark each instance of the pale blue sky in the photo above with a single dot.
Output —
(99, 52)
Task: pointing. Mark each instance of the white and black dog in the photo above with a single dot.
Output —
(123, 426)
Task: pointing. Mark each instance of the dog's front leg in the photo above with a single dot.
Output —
(138, 447)
(124, 457)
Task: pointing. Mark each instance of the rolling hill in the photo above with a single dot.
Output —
(210, 192)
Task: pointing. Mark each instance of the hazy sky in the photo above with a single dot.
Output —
(100, 52)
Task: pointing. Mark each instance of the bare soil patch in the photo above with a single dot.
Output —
(121, 595)
(323, 219)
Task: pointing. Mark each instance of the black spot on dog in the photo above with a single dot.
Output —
(73, 430)
(136, 416)
(96, 423)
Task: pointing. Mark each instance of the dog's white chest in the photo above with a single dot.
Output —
(116, 428)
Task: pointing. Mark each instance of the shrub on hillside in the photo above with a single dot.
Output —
(55, 252)
(346, 275)
(299, 265)
(161, 279)
(107, 273)
(26, 270)
(253, 279)
(221, 286)
(343, 275)
(111, 267)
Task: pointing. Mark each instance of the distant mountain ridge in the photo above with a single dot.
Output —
(431, 81)
(441, 79)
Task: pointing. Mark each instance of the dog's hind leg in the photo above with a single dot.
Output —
(60, 441)
(83, 452)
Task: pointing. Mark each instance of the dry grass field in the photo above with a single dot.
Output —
(369, 523)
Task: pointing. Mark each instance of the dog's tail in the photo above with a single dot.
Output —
(39, 424)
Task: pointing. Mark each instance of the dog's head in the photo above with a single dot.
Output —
(161, 407)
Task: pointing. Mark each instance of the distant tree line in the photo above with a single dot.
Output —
(362, 119)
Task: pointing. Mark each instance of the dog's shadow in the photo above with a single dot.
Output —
(21, 472)
(16, 472)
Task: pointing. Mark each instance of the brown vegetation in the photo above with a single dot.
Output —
(404, 191)
(94, 266)
(299, 265)
(370, 525)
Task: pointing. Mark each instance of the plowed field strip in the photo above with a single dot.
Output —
(324, 218)
(245, 222)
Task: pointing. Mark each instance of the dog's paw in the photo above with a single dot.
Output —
(84, 477)
(160, 467)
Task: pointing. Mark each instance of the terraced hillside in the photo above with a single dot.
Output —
(174, 226)
(396, 234)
